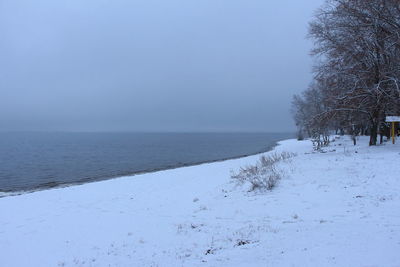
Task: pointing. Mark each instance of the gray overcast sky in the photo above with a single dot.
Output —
(152, 65)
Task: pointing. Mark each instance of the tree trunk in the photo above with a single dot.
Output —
(374, 133)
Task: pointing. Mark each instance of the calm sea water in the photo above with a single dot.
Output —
(39, 160)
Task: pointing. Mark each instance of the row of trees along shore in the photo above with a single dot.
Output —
(356, 72)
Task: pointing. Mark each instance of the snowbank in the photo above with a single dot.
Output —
(340, 208)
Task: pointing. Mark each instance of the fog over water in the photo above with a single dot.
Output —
(152, 65)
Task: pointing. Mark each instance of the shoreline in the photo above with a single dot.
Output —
(323, 212)
(61, 185)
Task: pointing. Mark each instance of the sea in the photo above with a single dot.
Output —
(39, 160)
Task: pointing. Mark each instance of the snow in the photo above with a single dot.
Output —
(338, 208)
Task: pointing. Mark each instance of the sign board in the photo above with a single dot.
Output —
(392, 118)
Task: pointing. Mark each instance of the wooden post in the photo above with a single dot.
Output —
(393, 120)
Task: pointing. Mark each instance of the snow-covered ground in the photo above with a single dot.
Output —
(338, 208)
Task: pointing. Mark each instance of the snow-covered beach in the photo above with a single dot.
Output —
(338, 208)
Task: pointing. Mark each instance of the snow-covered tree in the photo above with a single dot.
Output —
(357, 45)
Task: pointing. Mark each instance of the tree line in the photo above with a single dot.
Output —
(356, 72)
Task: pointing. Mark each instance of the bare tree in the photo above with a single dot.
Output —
(357, 44)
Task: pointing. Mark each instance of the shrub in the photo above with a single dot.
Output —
(264, 175)
(300, 135)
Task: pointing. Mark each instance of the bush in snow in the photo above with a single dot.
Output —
(264, 174)
(300, 135)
